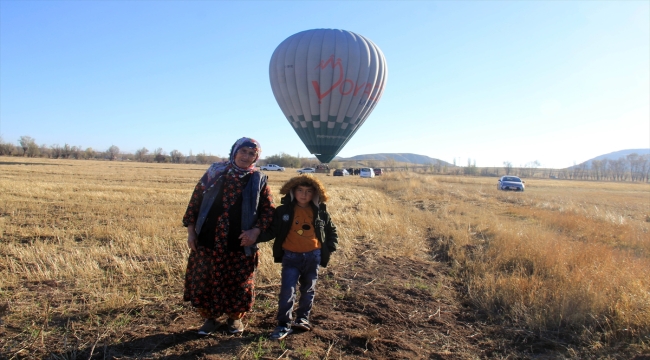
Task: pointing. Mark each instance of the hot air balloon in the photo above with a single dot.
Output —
(327, 82)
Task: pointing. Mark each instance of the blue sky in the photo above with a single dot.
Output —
(558, 82)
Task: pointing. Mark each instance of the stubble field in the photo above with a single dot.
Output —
(92, 258)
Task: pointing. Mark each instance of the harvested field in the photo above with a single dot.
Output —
(92, 258)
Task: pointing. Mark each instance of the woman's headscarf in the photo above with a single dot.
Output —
(224, 167)
(249, 143)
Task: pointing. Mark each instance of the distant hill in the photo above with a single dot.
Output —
(615, 156)
(397, 157)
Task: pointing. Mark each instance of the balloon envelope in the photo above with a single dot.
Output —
(327, 82)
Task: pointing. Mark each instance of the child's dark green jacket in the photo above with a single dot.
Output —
(323, 227)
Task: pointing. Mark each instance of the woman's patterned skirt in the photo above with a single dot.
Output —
(218, 281)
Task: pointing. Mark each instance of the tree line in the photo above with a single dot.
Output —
(28, 147)
(633, 167)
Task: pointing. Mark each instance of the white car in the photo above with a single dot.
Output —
(509, 182)
(366, 173)
(271, 167)
(306, 170)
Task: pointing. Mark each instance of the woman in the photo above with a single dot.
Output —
(229, 208)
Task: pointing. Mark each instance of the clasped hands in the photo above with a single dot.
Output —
(248, 237)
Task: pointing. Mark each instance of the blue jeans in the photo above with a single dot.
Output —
(303, 268)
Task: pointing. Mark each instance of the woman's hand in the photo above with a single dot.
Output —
(248, 237)
(192, 238)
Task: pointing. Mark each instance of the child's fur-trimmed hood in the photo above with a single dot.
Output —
(320, 195)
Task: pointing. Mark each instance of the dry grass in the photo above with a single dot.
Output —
(567, 257)
(80, 239)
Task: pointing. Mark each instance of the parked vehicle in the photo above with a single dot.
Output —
(366, 173)
(377, 171)
(271, 167)
(306, 170)
(509, 182)
(341, 172)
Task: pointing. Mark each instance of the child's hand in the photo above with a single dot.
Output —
(248, 237)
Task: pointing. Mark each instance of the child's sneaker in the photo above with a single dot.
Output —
(280, 333)
(302, 324)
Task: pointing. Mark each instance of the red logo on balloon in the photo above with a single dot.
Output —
(345, 87)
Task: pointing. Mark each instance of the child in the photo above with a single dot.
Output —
(304, 238)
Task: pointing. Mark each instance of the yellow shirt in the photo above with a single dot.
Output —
(301, 237)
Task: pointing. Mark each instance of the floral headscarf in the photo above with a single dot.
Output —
(223, 167)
